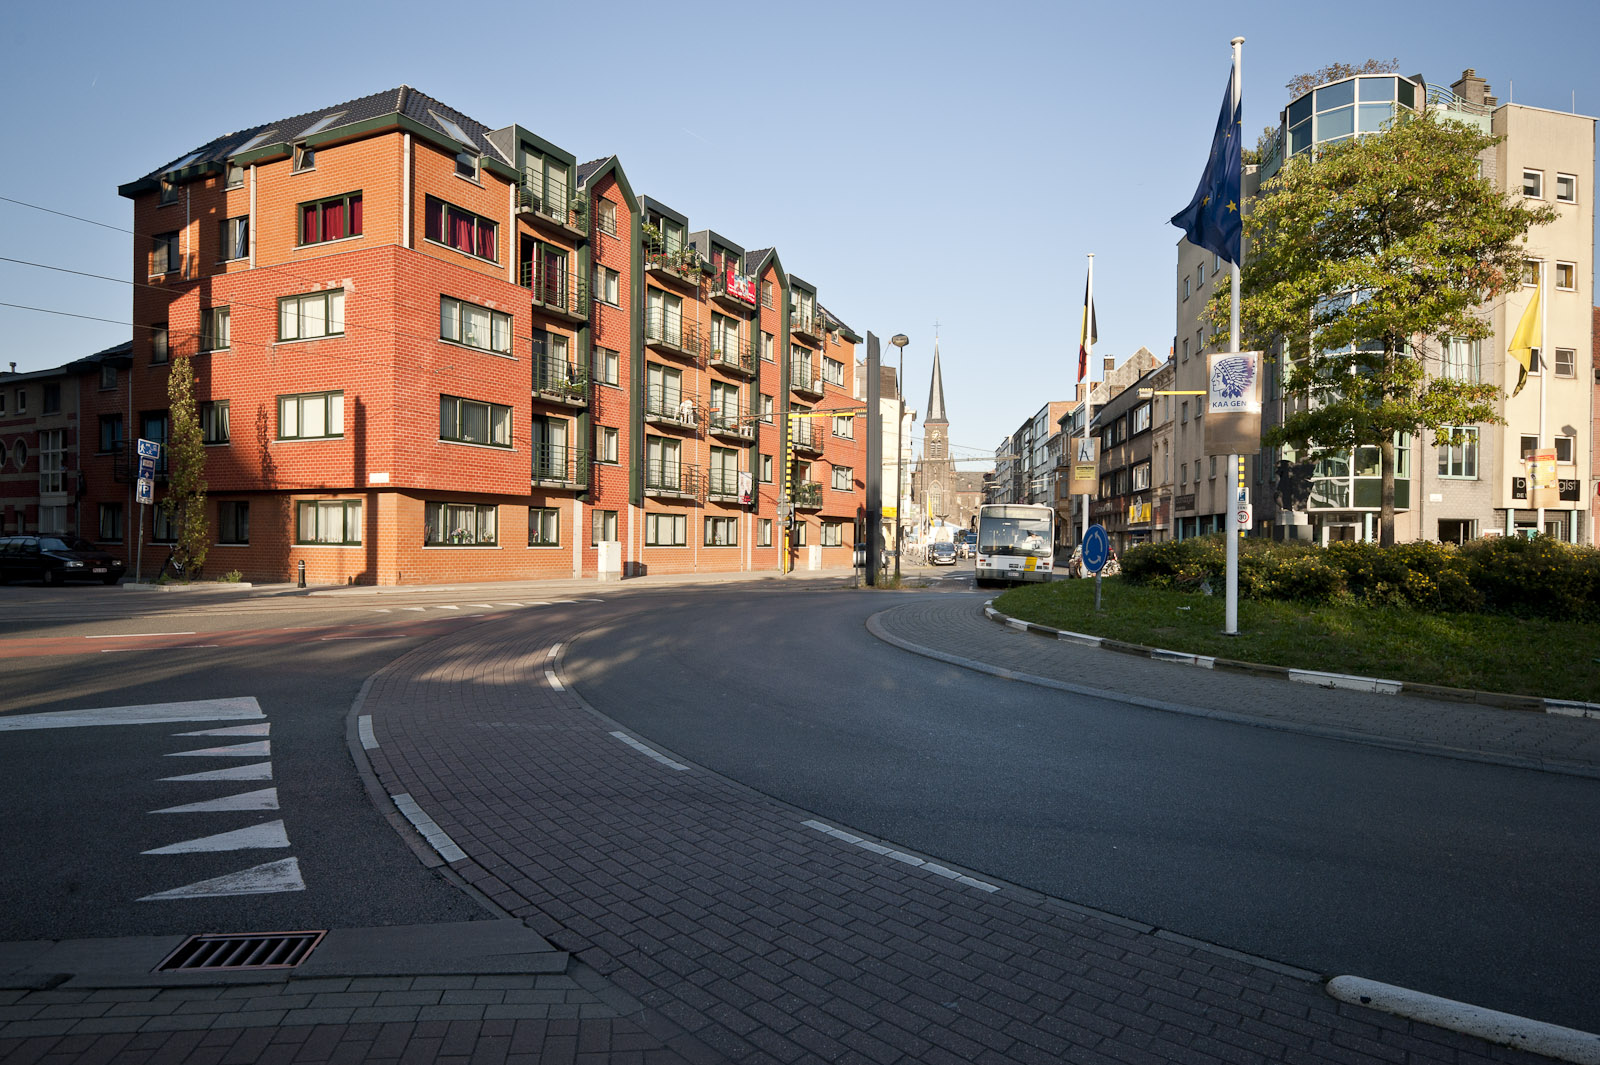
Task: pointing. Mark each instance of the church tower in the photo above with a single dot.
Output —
(938, 471)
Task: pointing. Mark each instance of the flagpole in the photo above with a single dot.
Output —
(1544, 359)
(1088, 373)
(1235, 464)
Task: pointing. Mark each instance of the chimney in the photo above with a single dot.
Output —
(1471, 88)
(1109, 364)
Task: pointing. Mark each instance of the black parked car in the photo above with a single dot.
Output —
(55, 559)
(942, 553)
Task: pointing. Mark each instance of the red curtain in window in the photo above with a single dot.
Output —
(308, 224)
(485, 240)
(433, 223)
(461, 231)
(333, 220)
(355, 216)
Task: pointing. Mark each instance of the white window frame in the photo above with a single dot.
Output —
(52, 461)
(833, 534)
(843, 479)
(1569, 356)
(1571, 181)
(295, 324)
(609, 438)
(1571, 450)
(1538, 183)
(602, 522)
(454, 326)
(1459, 461)
(763, 532)
(1572, 277)
(844, 426)
(607, 285)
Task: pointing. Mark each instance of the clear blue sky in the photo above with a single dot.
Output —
(918, 162)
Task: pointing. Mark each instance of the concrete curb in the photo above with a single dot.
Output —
(1375, 685)
(1503, 1029)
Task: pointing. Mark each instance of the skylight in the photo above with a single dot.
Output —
(321, 124)
(451, 128)
(255, 142)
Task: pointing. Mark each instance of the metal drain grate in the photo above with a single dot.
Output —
(248, 950)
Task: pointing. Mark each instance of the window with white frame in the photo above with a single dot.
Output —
(1183, 473)
(1458, 359)
(214, 422)
(665, 530)
(833, 534)
(606, 285)
(235, 176)
(311, 315)
(844, 426)
(1530, 271)
(1213, 465)
(1458, 451)
(214, 328)
(763, 532)
(606, 215)
(843, 478)
(722, 532)
(1566, 188)
(800, 534)
(766, 469)
(767, 346)
(52, 460)
(1185, 286)
(608, 445)
(1199, 275)
(328, 521)
(544, 527)
(168, 193)
(235, 238)
(1566, 276)
(833, 371)
(476, 327)
(766, 295)
(607, 365)
(1533, 184)
(311, 416)
(602, 526)
(1528, 445)
(466, 421)
(1566, 450)
(1141, 418)
(766, 408)
(1141, 477)
(304, 158)
(1566, 362)
(233, 521)
(460, 525)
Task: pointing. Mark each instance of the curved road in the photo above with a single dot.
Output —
(1458, 878)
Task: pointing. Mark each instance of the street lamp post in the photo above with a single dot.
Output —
(899, 340)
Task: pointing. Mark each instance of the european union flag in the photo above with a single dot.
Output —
(1212, 220)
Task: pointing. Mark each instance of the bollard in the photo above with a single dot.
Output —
(302, 573)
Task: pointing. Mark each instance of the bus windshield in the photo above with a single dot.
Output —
(1014, 536)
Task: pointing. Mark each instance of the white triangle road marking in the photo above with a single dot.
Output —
(149, 714)
(237, 730)
(268, 834)
(282, 875)
(258, 771)
(259, 749)
(265, 799)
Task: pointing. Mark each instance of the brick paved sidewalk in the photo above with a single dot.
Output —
(744, 930)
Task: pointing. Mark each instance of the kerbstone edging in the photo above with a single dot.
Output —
(1375, 685)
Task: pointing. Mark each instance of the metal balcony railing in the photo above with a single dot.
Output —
(732, 353)
(800, 380)
(730, 421)
(554, 204)
(808, 495)
(669, 331)
(734, 289)
(723, 483)
(808, 324)
(806, 435)
(677, 262)
(560, 463)
(671, 405)
(560, 379)
(556, 288)
(667, 478)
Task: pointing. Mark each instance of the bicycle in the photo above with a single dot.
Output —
(177, 569)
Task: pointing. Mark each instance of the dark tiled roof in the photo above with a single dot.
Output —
(587, 170)
(754, 259)
(405, 100)
(833, 321)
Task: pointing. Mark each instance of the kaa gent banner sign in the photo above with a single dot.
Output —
(1233, 403)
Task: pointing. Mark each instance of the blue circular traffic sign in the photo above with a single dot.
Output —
(1096, 548)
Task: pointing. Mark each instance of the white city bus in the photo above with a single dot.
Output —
(1015, 542)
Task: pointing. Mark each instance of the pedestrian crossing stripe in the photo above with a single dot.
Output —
(258, 771)
(147, 714)
(282, 875)
(262, 836)
(259, 749)
(265, 799)
(237, 730)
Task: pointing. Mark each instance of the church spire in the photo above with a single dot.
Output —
(936, 391)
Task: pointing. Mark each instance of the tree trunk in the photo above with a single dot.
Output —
(1386, 508)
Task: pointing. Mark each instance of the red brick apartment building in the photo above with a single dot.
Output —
(430, 351)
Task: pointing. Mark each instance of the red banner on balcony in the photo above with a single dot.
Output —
(741, 287)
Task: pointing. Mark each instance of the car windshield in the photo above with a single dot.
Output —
(51, 543)
(1014, 536)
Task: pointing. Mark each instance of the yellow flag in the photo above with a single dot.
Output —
(1525, 339)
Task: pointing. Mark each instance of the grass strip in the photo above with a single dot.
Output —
(1487, 652)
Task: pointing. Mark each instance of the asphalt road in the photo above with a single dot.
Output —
(1466, 880)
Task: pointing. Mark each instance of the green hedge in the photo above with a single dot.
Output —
(1509, 575)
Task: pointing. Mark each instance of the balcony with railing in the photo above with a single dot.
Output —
(806, 326)
(551, 209)
(733, 354)
(671, 408)
(668, 332)
(806, 435)
(556, 290)
(722, 485)
(730, 423)
(733, 290)
(801, 380)
(808, 495)
(668, 479)
(560, 380)
(675, 264)
(560, 466)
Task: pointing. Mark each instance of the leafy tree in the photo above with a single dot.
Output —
(1358, 260)
(185, 502)
(1298, 84)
